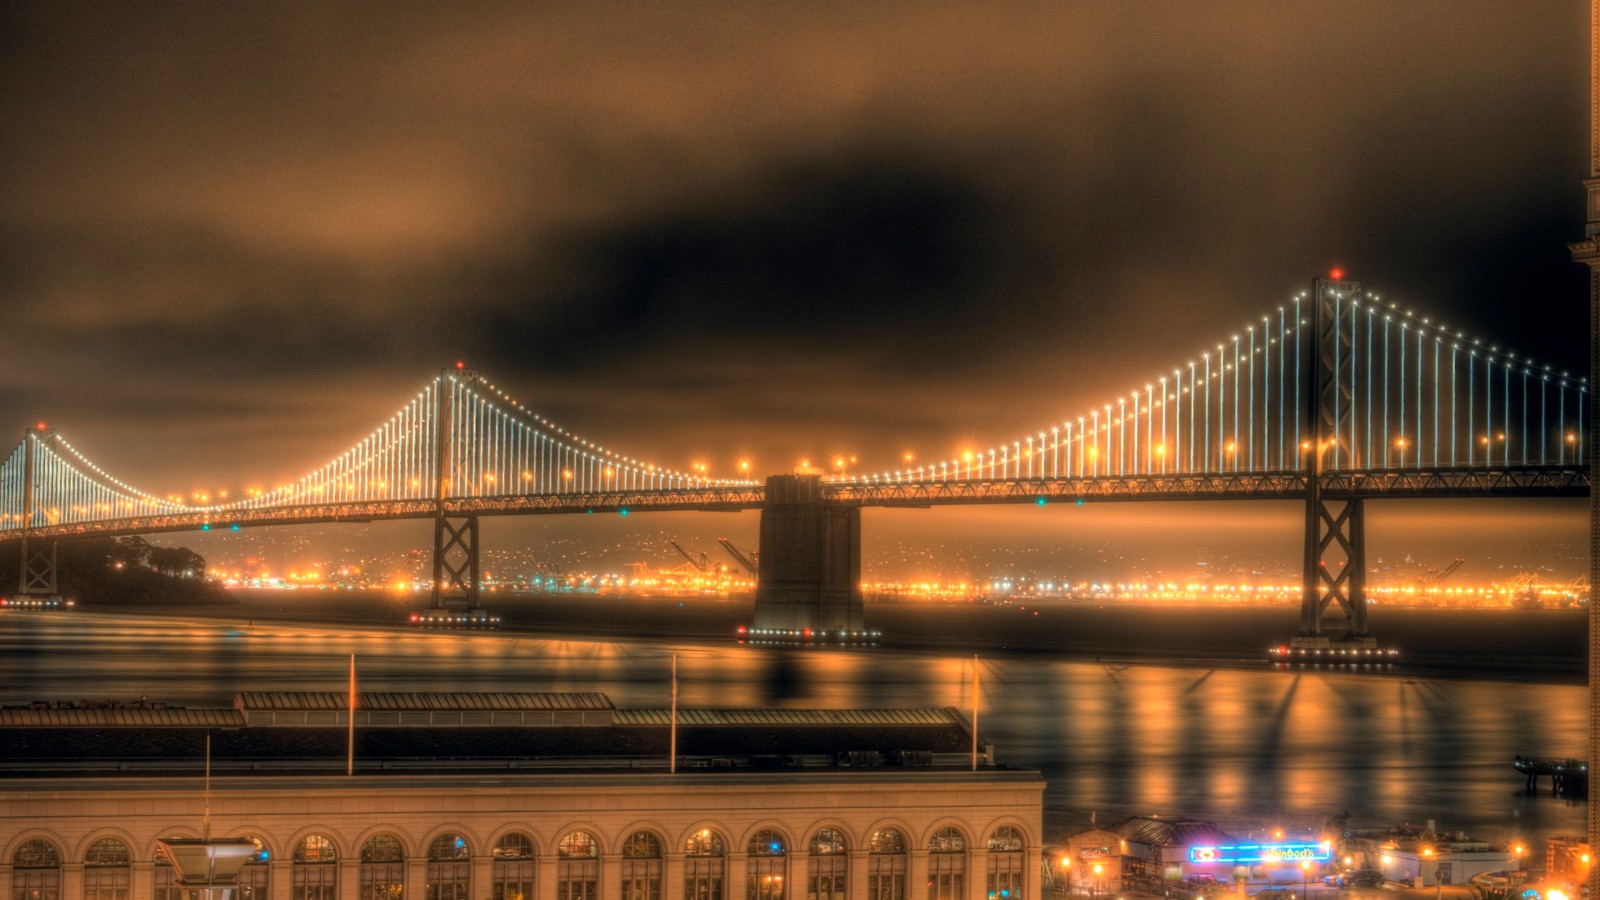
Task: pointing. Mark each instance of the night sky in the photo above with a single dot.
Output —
(235, 237)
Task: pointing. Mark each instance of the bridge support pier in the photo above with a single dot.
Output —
(1334, 525)
(810, 577)
(455, 562)
(36, 578)
(1337, 524)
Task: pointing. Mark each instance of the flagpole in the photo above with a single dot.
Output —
(207, 831)
(673, 740)
(974, 712)
(350, 755)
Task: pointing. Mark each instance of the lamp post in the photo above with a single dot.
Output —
(1305, 879)
(1098, 871)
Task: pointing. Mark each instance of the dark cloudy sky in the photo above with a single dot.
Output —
(234, 236)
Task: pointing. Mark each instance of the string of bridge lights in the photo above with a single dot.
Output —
(497, 446)
(495, 440)
(1083, 447)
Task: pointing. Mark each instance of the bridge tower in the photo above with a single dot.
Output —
(810, 578)
(1335, 549)
(36, 577)
(455, 538)
(1587, 252)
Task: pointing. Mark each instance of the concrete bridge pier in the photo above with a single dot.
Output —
(810, 579)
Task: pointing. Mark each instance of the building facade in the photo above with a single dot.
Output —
(533, 826)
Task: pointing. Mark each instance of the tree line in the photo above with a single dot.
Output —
(127, 570)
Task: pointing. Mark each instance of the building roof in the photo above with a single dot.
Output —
(790, 717)
(418, 701)
(44, 716)
(308, 732)
(1158, 832)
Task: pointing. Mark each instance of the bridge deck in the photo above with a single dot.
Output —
(1532, 481)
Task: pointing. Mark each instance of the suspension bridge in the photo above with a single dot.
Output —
(1332, 399)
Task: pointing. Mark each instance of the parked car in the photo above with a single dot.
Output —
(1274, 894)
(1202, 879)
(1363, 878)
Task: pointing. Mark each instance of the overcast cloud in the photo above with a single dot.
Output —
(233, 237)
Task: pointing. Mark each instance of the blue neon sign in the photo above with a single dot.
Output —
(1249, 853)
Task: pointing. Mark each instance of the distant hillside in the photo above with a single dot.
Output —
(107, 571)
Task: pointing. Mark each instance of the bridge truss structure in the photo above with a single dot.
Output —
(1333, 399)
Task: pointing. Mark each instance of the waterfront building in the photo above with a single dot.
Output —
(1150, 854)
(1567, 859)
(515, 797)
(1139, 853)
(1426, 858)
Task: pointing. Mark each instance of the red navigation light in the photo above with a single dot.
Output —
(460, 364)
(41, 426)
(1338, 274)
(415, 617)
(743, 630)
(807, 632)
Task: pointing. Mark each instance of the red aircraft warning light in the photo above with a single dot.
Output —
(1338, 274)
(460, 364)
(41, 426)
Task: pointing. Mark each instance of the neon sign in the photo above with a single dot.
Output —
(1249, 853)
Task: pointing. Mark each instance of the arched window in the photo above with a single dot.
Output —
(641, 867)
(383, 868)
(513, 867)
(886, 865)
(703, 866)
(766, 866)
(164, 880)
(947, 864)
(578, 867)
(255, 879)
(36, 871)
(1006, 847)
(107, 870)
(886, 840)
(828, 875)
(449, 868)
(315, 871)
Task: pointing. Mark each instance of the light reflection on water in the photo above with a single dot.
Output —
(1249, 748)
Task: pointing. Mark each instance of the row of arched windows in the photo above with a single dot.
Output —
(36, 868)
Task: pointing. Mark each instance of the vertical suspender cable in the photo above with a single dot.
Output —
(1453, 349)
(1420, 396)
(1250, 448)
(1472, 361)
(1369, 386)
(1505, 415)
(1436, 399)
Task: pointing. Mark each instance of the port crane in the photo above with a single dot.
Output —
(1436, 577)
(703, 563)
(749, 562)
